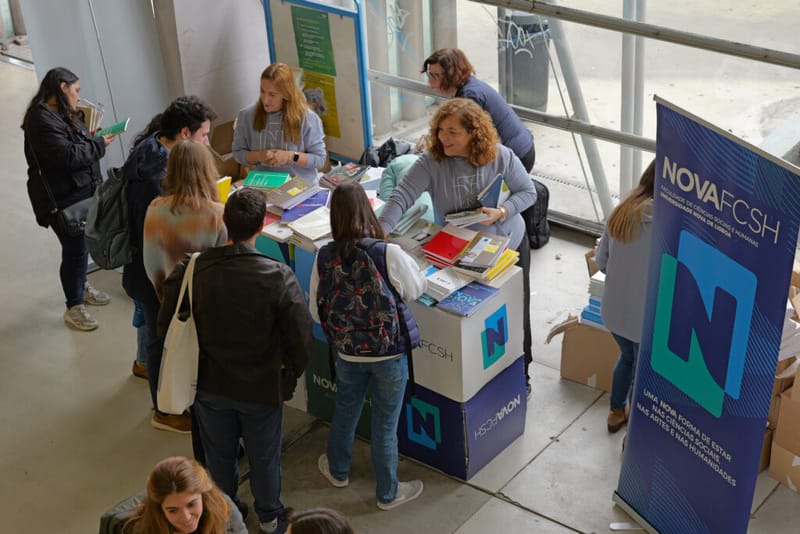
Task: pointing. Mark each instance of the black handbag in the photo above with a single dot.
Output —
(71, 220)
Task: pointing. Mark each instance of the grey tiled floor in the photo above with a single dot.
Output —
(75, 437)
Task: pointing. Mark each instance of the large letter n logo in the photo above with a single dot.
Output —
(703, 312)
(429, 423)
(494, 336)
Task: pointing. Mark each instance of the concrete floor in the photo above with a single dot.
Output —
(76, 437)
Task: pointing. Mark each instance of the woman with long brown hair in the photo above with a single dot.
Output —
(336, 284)
(623, 253)
(186, 219)
(64, 168)
(180, 498)
(280, 132)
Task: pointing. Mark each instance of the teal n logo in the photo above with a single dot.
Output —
(494, 336)
(704, 309)
(428, 421)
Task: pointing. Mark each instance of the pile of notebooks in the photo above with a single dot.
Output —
(474, 254)
(312, 230)
(443, 282)
(591, 313)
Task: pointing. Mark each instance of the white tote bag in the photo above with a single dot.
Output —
(177, 382)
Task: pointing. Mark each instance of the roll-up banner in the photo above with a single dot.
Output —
(725, 225)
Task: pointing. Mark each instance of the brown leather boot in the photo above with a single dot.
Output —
(616, 418)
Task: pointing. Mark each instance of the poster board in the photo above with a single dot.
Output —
(328, 44)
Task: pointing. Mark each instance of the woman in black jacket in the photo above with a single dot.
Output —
(60, 150)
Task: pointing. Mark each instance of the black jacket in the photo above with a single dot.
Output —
(69, 161)
(144, 171)
(251, 318)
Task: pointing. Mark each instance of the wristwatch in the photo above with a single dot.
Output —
(296, 157)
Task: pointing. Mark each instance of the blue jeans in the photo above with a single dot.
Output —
(624, 371)
(222, 422)
(387, 380)
(74, 262)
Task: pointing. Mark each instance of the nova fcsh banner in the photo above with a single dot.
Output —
(725, 224)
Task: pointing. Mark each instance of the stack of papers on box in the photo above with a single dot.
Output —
(442, 282)
(312, 230)
(597, 284)
(291, 193)
(447, 246)
(466, 218)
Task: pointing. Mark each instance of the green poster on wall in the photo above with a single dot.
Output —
(312, 35)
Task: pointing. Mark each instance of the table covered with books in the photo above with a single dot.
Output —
(469, 399)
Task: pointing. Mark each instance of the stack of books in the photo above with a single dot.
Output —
(317, 200)
(484, 251)
(443, 282)
(349, 172)
(291, 193)
(265, 180)
(508, 258)
(312, 230)
(91, 114)
(468, 299)
(448, 245)
(591, 314)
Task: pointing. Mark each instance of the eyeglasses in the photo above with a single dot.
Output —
(434, 75)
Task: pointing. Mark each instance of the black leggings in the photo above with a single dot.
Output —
(524, 261)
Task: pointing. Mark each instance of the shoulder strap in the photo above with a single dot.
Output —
(188, 277)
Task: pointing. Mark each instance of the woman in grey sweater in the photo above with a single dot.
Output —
(464, 156)
(624, 255)
(280, 132)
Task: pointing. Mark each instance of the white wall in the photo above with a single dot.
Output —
(113, 47)
(215, 50)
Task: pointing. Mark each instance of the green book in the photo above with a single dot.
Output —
(117, 128)
(265, 179)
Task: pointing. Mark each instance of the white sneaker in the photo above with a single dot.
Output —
(406, 491)
(78, 317)
(268, 528)
(94, 297)
(325, 469)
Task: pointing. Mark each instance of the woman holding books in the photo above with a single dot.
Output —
(623, 253)
(186, 218)
(63, 169)
(280, 132)
(463, 157)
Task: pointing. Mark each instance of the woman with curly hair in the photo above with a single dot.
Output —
(280, 132)
(180, 498)
(464, 155)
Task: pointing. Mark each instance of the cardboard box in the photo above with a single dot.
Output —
(774, 410)
(591, 266)
(787, 432)
(784, 466)
(221, 143)
(588, 354)
(461, 438)
(766, 450)
(460, 355)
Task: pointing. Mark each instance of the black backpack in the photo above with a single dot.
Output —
(107, 226)
(536, 225)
